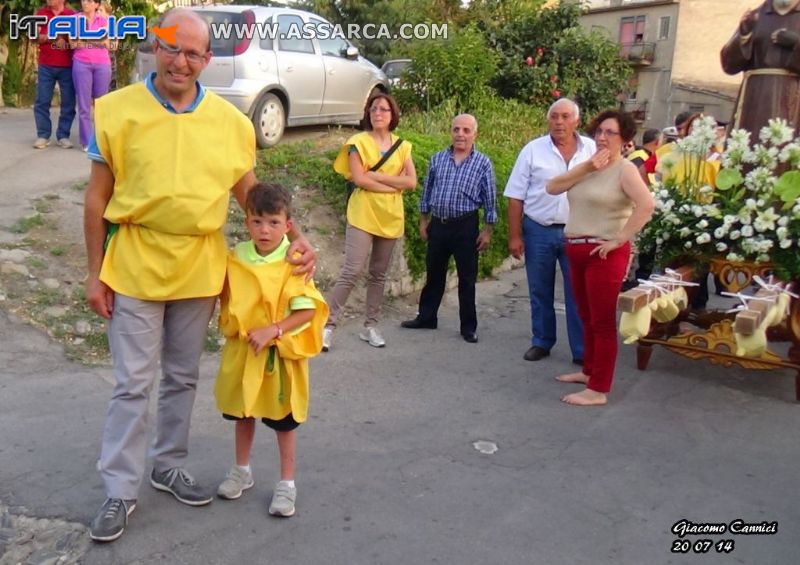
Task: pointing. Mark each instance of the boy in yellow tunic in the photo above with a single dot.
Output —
(272, 321)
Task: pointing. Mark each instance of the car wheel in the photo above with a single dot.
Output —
(269, 120)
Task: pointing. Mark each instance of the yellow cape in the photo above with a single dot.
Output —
(273, 383)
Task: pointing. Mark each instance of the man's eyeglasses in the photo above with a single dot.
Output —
(172, 51)
(605, 133)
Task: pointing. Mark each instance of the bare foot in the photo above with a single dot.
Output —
(578, 377)
(586, 397)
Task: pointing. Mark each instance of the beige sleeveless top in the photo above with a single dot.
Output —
(598, 207)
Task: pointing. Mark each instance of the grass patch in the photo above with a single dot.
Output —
(57, 251)
(36, 262)
(24, 225)
(80, 186)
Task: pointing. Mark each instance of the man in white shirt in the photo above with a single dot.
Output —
(536, 224)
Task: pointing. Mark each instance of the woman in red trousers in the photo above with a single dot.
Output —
(608, 204)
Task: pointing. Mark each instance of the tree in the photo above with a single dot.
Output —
(546, 54)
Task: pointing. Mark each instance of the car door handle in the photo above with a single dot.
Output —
(289, 69)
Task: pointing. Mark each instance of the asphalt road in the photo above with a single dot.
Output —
(388, 469)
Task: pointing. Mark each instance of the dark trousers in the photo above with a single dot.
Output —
(456, 238)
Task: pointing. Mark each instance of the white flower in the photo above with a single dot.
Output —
(721, 247)
(750, 204)
(747, 231)
(705, 189)
(702, 224)
(703, 238)
(763, 258)
(688, 245)
(782, 232)
(734, 257)
(786, 243)
(776, 132)
(765, 220)
(766, 157)
(790, 154)
(760, 179)
(720, 232)
(739, 138)
(783, 221)
(735, 234)
(697, 211)
(684, 232)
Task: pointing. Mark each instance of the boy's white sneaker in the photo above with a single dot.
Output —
(283, 497)
(327, 334)
(41, 143)
(373, 337)
(236, 482)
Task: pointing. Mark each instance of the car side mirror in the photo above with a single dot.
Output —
(351, 52)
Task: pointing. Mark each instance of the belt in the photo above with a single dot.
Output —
(455, 219)
(576, 240)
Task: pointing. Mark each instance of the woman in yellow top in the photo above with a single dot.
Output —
(375, 218)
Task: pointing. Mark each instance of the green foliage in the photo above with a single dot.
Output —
(458, 68)
(545, 55)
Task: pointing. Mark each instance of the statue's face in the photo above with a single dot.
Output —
(784, 6)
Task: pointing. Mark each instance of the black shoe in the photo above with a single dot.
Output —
(577, 361)
(419, 324)
(181, 485)
(111, 519)
(536, 353)
(470, 337)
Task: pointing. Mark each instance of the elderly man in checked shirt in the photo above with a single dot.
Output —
(460, 180)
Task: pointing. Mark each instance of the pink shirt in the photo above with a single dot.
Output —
(95, 53)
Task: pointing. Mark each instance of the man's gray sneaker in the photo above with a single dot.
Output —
(283, 498)
(111, 520)
(236, 482)
(181, 485)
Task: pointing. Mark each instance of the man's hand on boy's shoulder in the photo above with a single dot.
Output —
(302, 254)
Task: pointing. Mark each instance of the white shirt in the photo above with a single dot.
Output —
(538, 162)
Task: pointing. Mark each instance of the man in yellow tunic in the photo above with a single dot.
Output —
(165, 156)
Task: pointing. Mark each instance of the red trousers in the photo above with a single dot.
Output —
(596, 284)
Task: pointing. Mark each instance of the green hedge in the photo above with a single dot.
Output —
(504, 127)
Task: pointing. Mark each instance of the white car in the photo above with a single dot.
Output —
(281, 82)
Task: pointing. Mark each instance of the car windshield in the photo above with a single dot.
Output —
(394, 69)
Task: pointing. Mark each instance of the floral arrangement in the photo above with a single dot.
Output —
(741, 204)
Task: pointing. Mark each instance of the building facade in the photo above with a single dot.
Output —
(673, 46)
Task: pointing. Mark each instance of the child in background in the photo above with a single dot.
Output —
(272, 321)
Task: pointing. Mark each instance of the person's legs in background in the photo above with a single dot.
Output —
(45, 85)
(67, 90)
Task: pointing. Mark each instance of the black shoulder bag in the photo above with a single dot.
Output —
(351, 186)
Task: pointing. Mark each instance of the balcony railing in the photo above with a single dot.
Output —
(638, 53)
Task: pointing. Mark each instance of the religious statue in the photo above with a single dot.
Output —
(766, 46)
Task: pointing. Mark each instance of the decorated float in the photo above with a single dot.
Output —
(735, 213)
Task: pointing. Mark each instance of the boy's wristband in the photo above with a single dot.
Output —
(280, 331)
